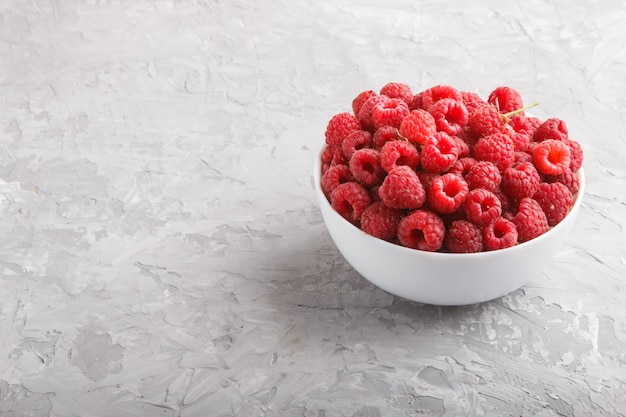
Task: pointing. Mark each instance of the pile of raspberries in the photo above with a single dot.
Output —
(448, 171)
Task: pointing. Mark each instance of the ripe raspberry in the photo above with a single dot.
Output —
(427, 178)
(521, 157)
(333, 177)
(339, 127)
(462, 146)
(389, 112)
(463, 237)
(484, 121)
(450, 115)
(472, 101)
(530, 220)
(551, 157)
(416, 102)
(360, 99)
(399, 152)
(439, 153)
(576, 155)
(555, 200)
(568, 178)
(497, 148)
(506, 99)
(447, 193)
(521, 140)
(365, 167)
(365, 112)
(350, 200)
(525, 124)
(381, 221)
(418, 126)
(332, 155)
(521, 180)
(433, 94)
(384, 135)
(483, 174)
(499, 234)
(398, 90)
(423, 230)
(462, 166)
(482, 206)
(359, 139)
(402, 189)
(552, 128)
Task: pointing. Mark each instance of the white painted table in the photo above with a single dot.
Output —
(161, 249)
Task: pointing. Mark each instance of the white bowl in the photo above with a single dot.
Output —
(444, 278)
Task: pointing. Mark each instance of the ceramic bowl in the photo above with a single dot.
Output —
(444, 278)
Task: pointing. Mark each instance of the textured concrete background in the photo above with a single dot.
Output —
(161, 249)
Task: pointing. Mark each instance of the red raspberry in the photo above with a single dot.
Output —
(381, 221)
(427, 178)
(521, 180)
(365, 112)
(389, 112)
(472, 101)
(462, 166)
(384, 135)
(521, 157)
(483, 122)
(339, 127)
(350, 200)
(483, 174)
(398, 90)
(530, 220)
(576, 155)
(332, 155)
(433, 94)
(506, 99)
(499, 234)
(462, 146)
(482, 206)
(551, 157)
(497, 148)
(418, 126)
(450, 115)
(359, 139)
(463, 237)
(358, 101)
(423, 230)
(447, 193)
(365, 167)
(555, 200)
(521, 140)
(416, 102)
(402, 189)
(568, 178)
(552, 128)
(439, 153)
(333, 177)
(399, 152)
(525, 124)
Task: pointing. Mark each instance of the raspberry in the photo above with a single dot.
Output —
(521, 180)
(384, 135)
(381, 221)
(433, 94)
(418, 126)
(402, 189)
(450, 115)
(334, 176)
(462, 166)
(399, 152)
(398, 90)
(497, 148)
(447, 193)
(521, 140)
(365, 112)
(482, 206)
(506, 99)
(332, 155)
(568, 178)
(552, 128)
(350, 200)
(555, 200)
(389, 112)
(416, 102)
(484, 121)
(576, 155)
(359, 139)
(463, 237)
(472, 101)
(551, 157)
(499, 234)
(423, 230)
(530, 220)
(462, 146)
(360, 99)
(483, 174)
(439, 153)
(525, 124)
(521, 157)
(339, 127)
(365, 167)
(427, 178)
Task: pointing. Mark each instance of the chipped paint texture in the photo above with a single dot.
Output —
(161, 249)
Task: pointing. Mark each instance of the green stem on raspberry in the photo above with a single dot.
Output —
(507, 116)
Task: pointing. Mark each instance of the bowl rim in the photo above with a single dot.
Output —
(578, 198)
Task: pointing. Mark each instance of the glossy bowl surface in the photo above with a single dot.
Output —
(444, 278)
